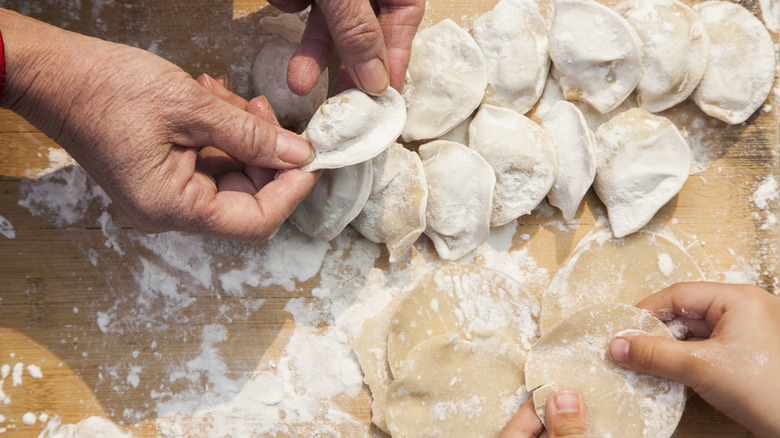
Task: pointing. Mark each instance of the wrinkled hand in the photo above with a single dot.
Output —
(136, 123)
(737, 369)
(374, 47)
(564, 414)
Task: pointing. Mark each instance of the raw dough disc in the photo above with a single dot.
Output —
(462, 299)
(450, 387)
(620, 402)
(606, 270)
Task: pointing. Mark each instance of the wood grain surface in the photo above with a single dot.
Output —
(53, 292)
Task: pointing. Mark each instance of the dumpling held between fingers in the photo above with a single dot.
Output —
(353, 127)
(460, 197)
(643, 163)
(395, 211)
(522, 157)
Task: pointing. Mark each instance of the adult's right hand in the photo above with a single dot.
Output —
(736, 369)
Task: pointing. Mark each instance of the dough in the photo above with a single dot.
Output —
(621, 403)
(643, 163)
(353, 127)
(598, 54)
(337, 197)
(522, 157)
(676, 48)
(741, 70)
(576, 150)
(462, 299)
(446, 80)
(451, 387)
(395, 211)
(513, 38)
(460, 197)
(606, 270)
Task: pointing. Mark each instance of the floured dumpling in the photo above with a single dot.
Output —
(460, 197)
(522, 157)
(741, 70)
(513, 37)
(462, 299)
(460, 133)
(353, 127)
(395, 211)
(643, 163)
(606, 270)
(620, 402)
(446, 80)
(336, 199)
(676, 48)
(576, 150)
(456, 388)
(269, 72)
(598, 53)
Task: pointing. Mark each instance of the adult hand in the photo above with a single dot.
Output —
(136, 123)
(374, 46)
(737, 369)
(564, 414)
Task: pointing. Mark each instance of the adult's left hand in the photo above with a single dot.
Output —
(564, 414)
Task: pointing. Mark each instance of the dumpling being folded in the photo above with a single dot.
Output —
(395, 211)
(522, 157)
(460, 195)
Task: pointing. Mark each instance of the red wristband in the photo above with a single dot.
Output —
(2, 67)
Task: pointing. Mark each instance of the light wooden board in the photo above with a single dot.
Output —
(53, 292)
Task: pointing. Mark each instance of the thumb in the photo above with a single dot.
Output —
(662, 357)
(565, 415)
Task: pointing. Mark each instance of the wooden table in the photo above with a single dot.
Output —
(69, 302)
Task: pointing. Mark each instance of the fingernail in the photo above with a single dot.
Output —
(293, 149)
(206, 81)
(618, 350)
(567, 402)
(372, 75)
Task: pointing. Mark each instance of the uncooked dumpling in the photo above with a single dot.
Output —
(462, 299)
(460, 197)
(598, 53)
(269, 72)
(522, 157)
(606, 270)
(456, 388)
(676, 49)
(513, 37)
(643, 163)
(395, 211)
(446, 80)
(741, 70)
(353, 127)
(576, 149)
(620, 402)
(336, 199)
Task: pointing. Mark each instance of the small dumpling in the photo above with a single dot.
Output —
(643, 163)
(576, 150)
(446, 80)
(269, 79)
(514, 39)
(522, 157)
(741, 70)
(676, 51)
(460, 197)
(395, 211)
(353, 127)
(338, 197)
(598, 53)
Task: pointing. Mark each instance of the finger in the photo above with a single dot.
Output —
(565, 415)
(235, 182)
(358, 37)
(214, 162)
(654, 355)
(524, 424)
(312, 56)
(260, 107)
(685, 328)
(260, 176)
(223, 79)
(399, 20)
(219, 89)
(699, 300)
(290, 5)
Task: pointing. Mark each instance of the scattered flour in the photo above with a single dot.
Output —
(29, 418)
(34, 371)
(6, 228)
